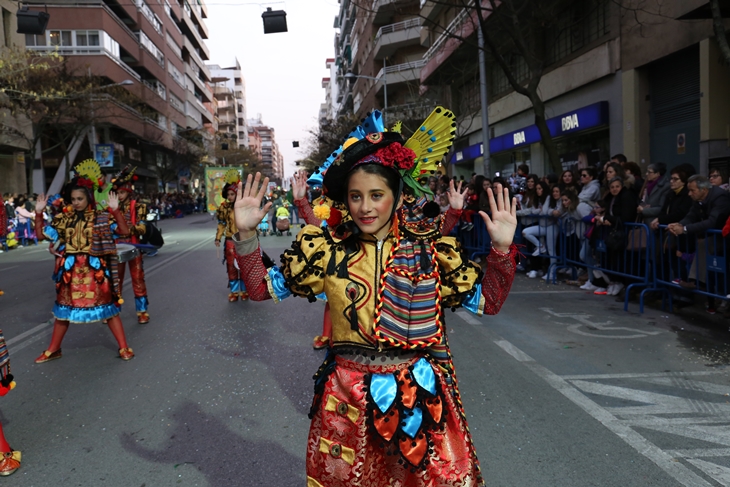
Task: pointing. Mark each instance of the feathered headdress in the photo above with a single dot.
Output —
(231, 178)
(90, 171)
(125, 178)
(414, 159)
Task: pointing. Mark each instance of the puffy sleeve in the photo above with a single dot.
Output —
(56, 230)
(221, 215)
(304, 264)
(140, 228)
(460, 278)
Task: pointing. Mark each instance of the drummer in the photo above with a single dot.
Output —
(87, 286)
(135, 214)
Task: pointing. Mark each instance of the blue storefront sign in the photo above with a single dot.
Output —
(104, 154)
(584, 118)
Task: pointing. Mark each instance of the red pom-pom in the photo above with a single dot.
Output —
(134, 178)
(395, 155)
(335, 218)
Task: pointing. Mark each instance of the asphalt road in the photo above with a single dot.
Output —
(562, 388)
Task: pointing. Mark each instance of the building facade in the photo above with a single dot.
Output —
(13, 150)
(230, 84)
(263, 141)
(653, 86)
(160, 48)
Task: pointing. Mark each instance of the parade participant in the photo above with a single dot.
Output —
(87, 285)
(9, 458)
(226, 229)
(386, 407)
(135, 214)
(3, 224)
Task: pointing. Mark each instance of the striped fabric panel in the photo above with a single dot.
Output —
(409, 310)
(4, 355)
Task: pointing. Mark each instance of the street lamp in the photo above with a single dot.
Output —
(350, 76)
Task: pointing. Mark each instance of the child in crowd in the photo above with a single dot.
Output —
(471, 207)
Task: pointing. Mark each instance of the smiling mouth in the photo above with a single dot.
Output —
(367, 219)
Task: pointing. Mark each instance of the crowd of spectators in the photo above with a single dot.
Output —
(17, 222)
(174, 204)
(587, 204)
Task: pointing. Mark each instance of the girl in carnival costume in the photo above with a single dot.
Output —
(386, 409)
(135, 214)
(87, 284)
(226, 229)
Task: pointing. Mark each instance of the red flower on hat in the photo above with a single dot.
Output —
(397, 156)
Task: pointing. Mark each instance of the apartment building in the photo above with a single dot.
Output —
(13, 151)
(262, 139)
(229, 88)
(652, 88)
(330, 107)
(160, 47)
(379, 58)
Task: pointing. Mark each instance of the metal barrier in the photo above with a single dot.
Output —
(690, 264)
(546, 230)
(476, 241)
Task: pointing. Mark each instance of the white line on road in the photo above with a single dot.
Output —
(33, 330)
(545, 292)
(518, 354)
(468, 317)
(642, 375)
(8, 268)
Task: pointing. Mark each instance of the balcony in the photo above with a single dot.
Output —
(196, 57)
(190, 72)
(400, 73)
(454, 27)
(386, 9)
(392, 37)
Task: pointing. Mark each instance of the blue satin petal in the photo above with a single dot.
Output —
(321, 297)
(234, 286)
(84, 315)
(423, 373)
(141, 303)
(94, 262)
(50, 233)
(278, 283)
(383, 389)
(69, 262)
(242, 286)
(474, 302)
(412, 421)
(114, 227)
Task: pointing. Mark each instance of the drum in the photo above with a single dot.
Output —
(127, 252)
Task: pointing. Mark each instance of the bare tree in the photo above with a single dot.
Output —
(720, 33)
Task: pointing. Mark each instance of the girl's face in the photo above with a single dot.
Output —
(486, 184)
(538, 190)
(371, 203)
(470, 191)
(610, 173)
(530, 183)
(556, 193)
(231, 196)
(615, 188)
(566, 201)
(79, 201)
(567, 177)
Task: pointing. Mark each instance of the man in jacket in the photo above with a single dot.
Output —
(709, 211)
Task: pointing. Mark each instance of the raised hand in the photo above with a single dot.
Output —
(456, 195)
(40, 203)
(503, 222)
(112, 200)
(247, 209)
(299, 185)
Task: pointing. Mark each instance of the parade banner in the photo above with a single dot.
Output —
(214, 182)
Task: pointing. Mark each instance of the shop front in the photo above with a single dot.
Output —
(582, 137)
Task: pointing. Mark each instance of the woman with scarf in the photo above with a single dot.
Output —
(386, 408)
(87, 284)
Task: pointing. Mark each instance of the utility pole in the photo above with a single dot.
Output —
(484, 105)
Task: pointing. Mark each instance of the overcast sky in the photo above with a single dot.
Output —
(283, 72)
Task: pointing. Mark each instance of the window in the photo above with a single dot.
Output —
(151, 47)
(580, 24)
(175, 73)
(7, 28)
(33, 40)
(173, 45)
(177, 103)
(61, 38)
(87, 38)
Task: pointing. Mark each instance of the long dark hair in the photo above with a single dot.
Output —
(392, 180)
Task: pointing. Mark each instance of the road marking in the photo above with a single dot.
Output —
(468, 317)
(640, 375)
(666, 462)
(717, 472)
(545, 292)
(9, 268)
(518, 354)
(33, 330)
(584, 321)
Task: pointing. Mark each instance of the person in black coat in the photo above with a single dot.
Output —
(676, 206)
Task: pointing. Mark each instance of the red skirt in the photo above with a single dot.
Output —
(83, 290)
(346, 446)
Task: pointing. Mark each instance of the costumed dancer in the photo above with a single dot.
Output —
(9, 458)
(387, 408)
(226, 229)
(135, 214)
(87, 284)
(3, 224)
(421, 211)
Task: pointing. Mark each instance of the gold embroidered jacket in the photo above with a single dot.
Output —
(226, 223)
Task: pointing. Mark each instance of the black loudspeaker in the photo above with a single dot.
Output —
(295, 143)
(274, 21)
(32, 21)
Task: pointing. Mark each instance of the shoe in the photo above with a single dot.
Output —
(320, 342)
(233, 297)
(711, 310)
(543, 250)
(581, 271)
(519, 268)
(244, 296)
(589, 286)
(126, 353)
(687, 285)
(677, 281)
(532, 274)
(10, 463)
(48, 356)
(143, 317)
(601, 291)
(615, 288)
(536, 252)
